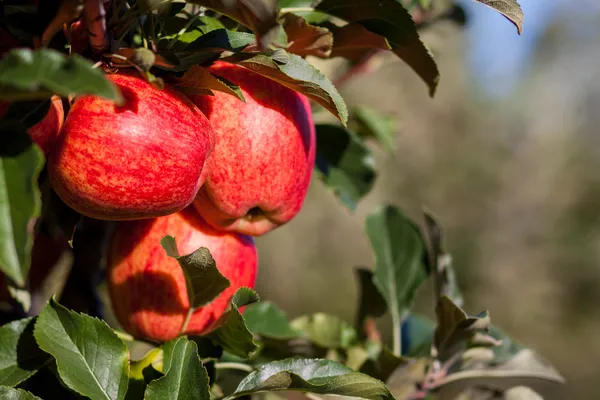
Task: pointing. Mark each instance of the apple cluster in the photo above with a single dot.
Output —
(210, 170)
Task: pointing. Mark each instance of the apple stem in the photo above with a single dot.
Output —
(187, 320)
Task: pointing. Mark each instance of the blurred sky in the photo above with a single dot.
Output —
(498, 56)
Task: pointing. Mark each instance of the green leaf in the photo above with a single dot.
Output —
(222, 40)
(296, 73)
(91, 359)
(258, 15)
(327, 331)
(266, 319)
(20, 356)
(138, 373)
(7, 393)
(442, 262)
(405, 380)
(185, 376)
(198, 80)
(313, 376)
(35, 74)
(507, 349)
(455, 327)
(344, 163)
(203, 280)
(389, 18)
(372, 124)
(20, 165)
(400, 260)
(509, 8)
(371, 303)
(305, 39)
(230, 330)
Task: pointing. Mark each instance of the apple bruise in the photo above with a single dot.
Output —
(264, 154)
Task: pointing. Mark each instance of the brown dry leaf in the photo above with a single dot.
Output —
(353, 41)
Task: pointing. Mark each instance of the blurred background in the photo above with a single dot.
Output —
(507, 156)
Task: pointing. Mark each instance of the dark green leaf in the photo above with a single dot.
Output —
(185, 376)
(400, 259)
(222, 40)
(258, 15)
(266, 319)
(230, 330)
(35, 74)
(344, 163)
(91, 359)
(389, 18)
(510, 9)
(455, 327)
(28, 112)
(20, 165)
(7, 393)
(20, 357)
(327, 331)
(441, 261)
(305, 39)
(198, 80)
(139, 375)
(203, 280)
(314, 376)
(381, 362)
(371, 302)
(417, 331)
(371, 124)
(296, 73)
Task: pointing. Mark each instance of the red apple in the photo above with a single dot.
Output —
(147, 287)
(45, 132)
(141, 160)
(264, 154)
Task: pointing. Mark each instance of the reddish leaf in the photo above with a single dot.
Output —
(305, 39)
(198, 80)
(353, 41)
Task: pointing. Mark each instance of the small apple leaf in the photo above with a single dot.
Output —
(20, 165)
(389, 18)
(400, 259)
(313, 376)
(380, 362)
(371, 302)
(230, 330)
(27, 74)
(371, 124)
(139, 375)
(447, 284)
(185, 376)
(509, 8)
(266, 319)
(324, 330)
(352, 41)
(408, 377)
(296, 73)
(20, 357)
(305, 39)
(91, 359)
(198, 80)
(203, 280)
(258, 15)
(344, 163)
(8, 393)
(455, 327)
